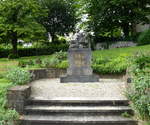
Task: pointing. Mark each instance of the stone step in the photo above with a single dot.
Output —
(75, 120)
(80, 110)
(77, 102)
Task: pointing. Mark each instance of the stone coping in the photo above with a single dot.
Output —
(57, 73)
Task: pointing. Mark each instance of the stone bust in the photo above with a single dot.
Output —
(80, 40)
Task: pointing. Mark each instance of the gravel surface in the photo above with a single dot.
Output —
(52, 88)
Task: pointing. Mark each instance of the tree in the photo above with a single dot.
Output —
(61, 17)
(18, 20)
(107, 15)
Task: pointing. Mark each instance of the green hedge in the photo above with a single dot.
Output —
(50, 49)
(144, 38)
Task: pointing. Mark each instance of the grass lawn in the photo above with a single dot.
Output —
(7, 63)
(112, 53)
(121, 51)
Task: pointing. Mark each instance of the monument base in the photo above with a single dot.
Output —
(80, 79)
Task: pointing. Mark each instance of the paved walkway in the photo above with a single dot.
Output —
(53, 89)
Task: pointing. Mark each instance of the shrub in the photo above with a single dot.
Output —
(63, 65)
(61, 55)
(4, 52)
(50, 63)
(13, 56)
(24, 63)
(23, 52)
(18, 76)
(138, 92)
(144, 38)
(110, 66)
(7, 116)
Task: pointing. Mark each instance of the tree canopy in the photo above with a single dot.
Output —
(106, 15)
(61, 18)
(18, 20)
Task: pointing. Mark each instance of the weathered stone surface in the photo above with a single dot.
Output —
(17, 97)
(76, 120)
(79, 66)
(47, 73)
(83, 79)
(55, 73)
(119, 44)
(38, 74)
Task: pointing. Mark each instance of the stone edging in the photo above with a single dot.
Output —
(18, 95)
(57, 73)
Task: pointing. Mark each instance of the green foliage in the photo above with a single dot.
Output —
(24, 63)
(138, 92)
(18, 76)
(144, 38)
(50, 63)
(18, 21)
(106, 16)
(7, 116)
(126, 115)
(13, 56)
(61, 17)
(110, 65)
(36, 51)
(63, 64)
(61, 55)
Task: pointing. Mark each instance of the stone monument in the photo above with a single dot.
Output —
(79, 57)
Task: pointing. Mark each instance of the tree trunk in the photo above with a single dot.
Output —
(14, 43)
(53, 38)
(133, 30)
(126, 30)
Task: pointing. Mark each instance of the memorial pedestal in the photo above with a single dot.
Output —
(79, 66)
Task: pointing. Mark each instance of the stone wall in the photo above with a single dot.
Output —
(57, 73)
(17, 97)
(47, 73)
(121, 44)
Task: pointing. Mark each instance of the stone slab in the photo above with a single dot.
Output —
(79, 79)
(105, 89)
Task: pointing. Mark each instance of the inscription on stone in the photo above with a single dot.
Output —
(79, 59)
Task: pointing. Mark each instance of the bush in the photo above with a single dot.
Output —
(24, 63)
(110, 66)
(138, 92)
(18, 76)
(13, 56)
(61, 55)
(144, 38)
(7, 116)
(23, 52)
(63, 65)
(50, 63)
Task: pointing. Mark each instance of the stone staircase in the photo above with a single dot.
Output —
(76, 112)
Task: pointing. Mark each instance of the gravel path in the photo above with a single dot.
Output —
(52, 88)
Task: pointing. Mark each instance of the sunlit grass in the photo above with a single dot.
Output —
(121, 51)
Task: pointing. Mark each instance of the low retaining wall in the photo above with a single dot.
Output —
(119, 44)
(47, 73)
(57, 73)
(17, 97)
